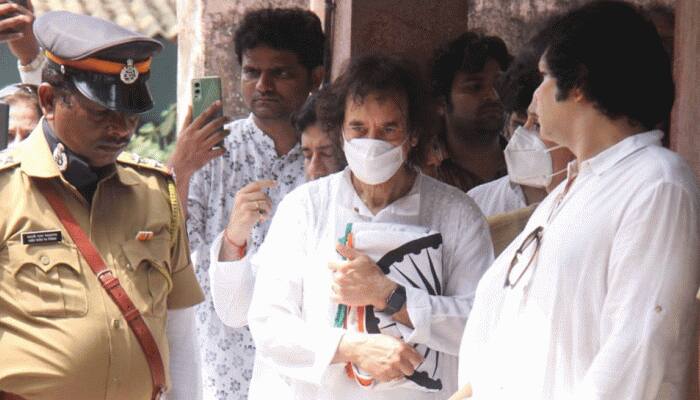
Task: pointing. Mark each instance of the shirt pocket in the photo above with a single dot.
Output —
(148, 276)
(48, 280)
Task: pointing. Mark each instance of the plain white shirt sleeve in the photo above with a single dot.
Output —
(33, 76)
(185, 364)
(439, 321)
(296, 348)
(650, 305)
(232, 285)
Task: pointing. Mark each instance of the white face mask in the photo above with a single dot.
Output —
(528, 160)
(373, 161)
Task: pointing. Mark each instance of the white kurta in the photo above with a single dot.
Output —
(607, 310)
(228, 353)
(499, 196)
(291, 316)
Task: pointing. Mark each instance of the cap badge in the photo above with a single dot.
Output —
(59, 156)
(129, 73)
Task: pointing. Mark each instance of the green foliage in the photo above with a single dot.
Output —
(157, 141)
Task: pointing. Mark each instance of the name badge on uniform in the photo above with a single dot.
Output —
(42, 237)
(143, 236)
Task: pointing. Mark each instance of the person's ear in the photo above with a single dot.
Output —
(577, 94)
(47, 100)
(317, 75)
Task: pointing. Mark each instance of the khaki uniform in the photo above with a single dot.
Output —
(61, 335)
(505, 227)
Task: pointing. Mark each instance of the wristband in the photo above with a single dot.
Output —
(241, 249)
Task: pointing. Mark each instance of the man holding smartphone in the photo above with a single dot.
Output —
(231, 198)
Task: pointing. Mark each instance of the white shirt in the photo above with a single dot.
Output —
(184, 356)
(498, 196)
(291, 315)
(228, 353)
(607, 310)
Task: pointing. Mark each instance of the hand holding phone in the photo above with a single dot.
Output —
(201, 137)
(206, 91)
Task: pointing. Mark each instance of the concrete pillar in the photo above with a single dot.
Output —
(205, 47)
(685, 117)
(409, 28)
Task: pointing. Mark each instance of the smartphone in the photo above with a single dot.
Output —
(4, 125)
(205, 92)
(10, 34)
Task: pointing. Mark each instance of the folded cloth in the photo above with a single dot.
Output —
(412, 257)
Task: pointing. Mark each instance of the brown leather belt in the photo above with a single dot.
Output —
(111, 284)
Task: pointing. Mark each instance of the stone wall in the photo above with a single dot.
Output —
(407, 28)
(514, 20)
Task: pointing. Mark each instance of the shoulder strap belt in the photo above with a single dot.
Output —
(111, 284)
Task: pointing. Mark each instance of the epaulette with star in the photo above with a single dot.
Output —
(135, 160)
(7, 161)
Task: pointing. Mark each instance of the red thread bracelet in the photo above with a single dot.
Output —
(241, 249)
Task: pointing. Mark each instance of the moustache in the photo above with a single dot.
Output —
(114, 143)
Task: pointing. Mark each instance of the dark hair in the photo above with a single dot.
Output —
(292, 29)
(306, 115)
(63, 86)
(519, 82)
(614, 54)
(521, 79)
(383, 74)
(468, 53)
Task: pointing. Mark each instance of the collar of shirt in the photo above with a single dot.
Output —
(404, 210)
(606, 159)
(265, 142)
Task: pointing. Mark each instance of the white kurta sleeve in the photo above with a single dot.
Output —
(649, 312)
(31, 74)
(295, 348)
(438, 321)
(231, 285)
(185, 375)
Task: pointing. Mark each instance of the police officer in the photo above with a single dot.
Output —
(94, 260)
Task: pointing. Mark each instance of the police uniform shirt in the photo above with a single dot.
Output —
(61, 335)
